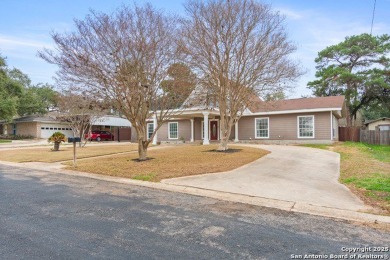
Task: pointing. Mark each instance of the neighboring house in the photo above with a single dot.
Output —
(303, 120)
(36, 126)
(380, 124)
(45, 126)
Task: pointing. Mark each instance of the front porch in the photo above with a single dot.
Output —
(197, 126)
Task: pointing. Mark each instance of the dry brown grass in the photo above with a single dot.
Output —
(170, 162)
(358, 164)
(65, 153)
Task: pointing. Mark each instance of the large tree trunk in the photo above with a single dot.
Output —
(223, 144)
(143, 143)
(142, 149)
(226, 124)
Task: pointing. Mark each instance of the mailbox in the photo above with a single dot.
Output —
(74, 139)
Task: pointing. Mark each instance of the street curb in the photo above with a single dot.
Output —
(290, 206)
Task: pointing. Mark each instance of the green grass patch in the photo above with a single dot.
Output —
(144, 177)
(376, 182)
(5, 141)
(379, 152)
(318, 146)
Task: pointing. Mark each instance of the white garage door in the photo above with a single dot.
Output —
(48, 129)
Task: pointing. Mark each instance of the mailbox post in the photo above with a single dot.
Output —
(74, 140)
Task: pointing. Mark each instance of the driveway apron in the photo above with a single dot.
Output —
(289, 173)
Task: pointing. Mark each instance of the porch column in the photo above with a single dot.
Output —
(192, 130)
(154, 129)
(236, 132)
(206, 128)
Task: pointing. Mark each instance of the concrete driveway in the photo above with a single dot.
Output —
(289, 173)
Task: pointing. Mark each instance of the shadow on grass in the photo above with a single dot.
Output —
(138, 160)
(225, 151)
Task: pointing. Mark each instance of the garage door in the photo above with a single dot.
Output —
(48, 129)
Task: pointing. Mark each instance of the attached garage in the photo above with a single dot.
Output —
(47, 129)
(37, 127)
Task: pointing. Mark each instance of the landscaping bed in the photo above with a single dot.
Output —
(171, 162)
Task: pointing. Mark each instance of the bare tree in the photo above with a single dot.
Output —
(124, 57)
(239, 48)
(80, 111)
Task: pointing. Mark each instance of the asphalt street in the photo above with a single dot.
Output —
(46, 215)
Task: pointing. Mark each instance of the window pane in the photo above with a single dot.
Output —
(173, 130)
(306, 126)
(150, 130)
(261, 127)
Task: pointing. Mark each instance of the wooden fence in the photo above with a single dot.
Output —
(349, 134)
(375, 137)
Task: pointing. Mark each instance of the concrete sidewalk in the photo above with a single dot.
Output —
(24, 143)
(38, 143)
(288, 173)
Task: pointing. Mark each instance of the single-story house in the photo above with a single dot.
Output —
(45, 126)
(302, 120)
(36, 127)
(380, 124)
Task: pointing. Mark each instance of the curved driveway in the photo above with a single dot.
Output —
(289, 173)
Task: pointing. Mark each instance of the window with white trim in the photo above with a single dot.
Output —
(262, 127)
(150, 130)
(173, 128)
(306, 126)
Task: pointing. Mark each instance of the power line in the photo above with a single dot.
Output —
(373, 15)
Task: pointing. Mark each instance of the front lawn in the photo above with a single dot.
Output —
(65, 153)
(4, 141)
(365, 169)
(379, 152)
(170, 162)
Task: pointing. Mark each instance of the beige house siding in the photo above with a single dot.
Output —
(373, 125)
(198, 128)
(28, 129)
(10, 129)
(281, 127)
(285, 127)
(184, 131)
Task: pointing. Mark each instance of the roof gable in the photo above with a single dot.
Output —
(379, 119)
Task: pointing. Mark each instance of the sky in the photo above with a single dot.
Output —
(312, 25)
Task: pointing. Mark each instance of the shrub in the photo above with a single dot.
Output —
(57, 138)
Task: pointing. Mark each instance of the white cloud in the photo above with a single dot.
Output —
(290, 14)
(21, 53)
(10, 43)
